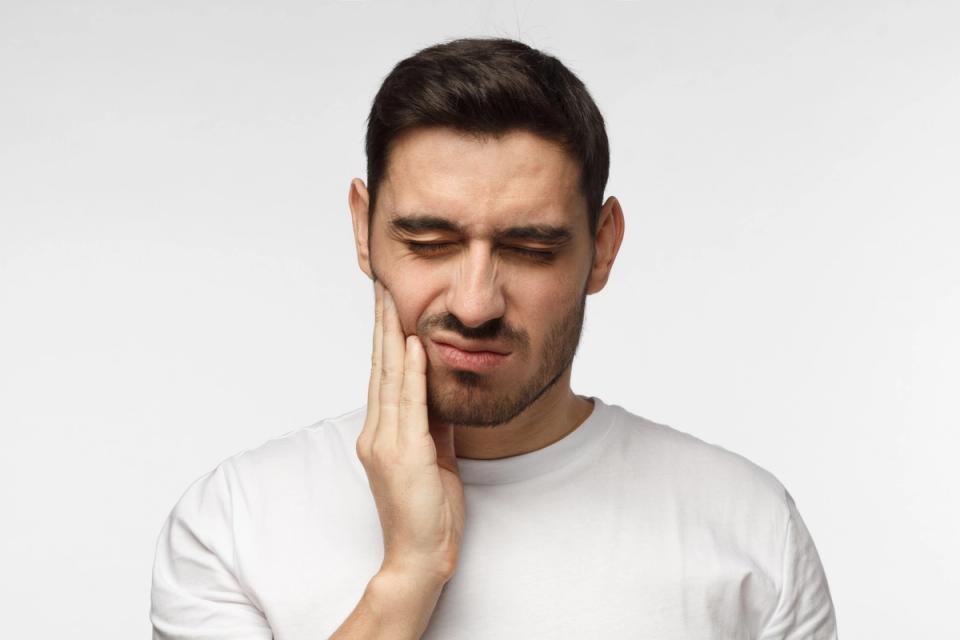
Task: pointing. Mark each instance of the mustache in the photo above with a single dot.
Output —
(495, 329)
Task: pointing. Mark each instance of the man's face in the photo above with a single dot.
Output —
(486, 249)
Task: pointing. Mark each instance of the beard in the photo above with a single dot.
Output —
(467, 398)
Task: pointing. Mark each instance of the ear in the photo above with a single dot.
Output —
(606, 244)
(359, 201)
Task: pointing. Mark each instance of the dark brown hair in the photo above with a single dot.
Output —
(488, 86)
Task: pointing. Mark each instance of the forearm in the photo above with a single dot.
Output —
(394, 607)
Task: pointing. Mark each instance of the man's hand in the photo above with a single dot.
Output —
(411, 468)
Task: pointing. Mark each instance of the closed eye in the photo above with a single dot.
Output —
(428, 248)
(536, 254)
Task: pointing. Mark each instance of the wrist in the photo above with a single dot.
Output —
(403, 602)
(416, 574)
(395, 583)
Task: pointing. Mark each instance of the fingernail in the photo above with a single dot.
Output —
(412, 342)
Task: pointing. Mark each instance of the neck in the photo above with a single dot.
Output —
(548, 419)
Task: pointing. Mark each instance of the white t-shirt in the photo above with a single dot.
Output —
(623, 529)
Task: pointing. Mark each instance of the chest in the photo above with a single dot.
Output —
(550, 569)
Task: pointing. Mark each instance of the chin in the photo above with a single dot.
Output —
(465, 398)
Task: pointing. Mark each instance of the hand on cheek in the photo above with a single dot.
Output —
(411, 468)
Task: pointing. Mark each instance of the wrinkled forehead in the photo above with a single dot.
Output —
(483, 183)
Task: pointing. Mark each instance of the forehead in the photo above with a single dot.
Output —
(482, 183)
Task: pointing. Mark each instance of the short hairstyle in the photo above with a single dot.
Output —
(488, 86)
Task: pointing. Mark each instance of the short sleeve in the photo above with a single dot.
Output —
(196, 592)
(804, 610)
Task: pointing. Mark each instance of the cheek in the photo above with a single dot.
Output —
(538, 303)
(413, 297)
(546, 290)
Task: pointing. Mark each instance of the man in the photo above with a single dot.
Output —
(476, 496)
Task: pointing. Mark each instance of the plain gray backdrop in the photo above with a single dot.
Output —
(178, 280)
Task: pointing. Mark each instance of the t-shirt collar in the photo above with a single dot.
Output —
(541, 461)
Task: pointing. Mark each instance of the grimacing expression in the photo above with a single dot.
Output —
(484, 241)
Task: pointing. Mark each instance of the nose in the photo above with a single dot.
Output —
(475, 296)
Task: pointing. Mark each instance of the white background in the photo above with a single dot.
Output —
(178, 282)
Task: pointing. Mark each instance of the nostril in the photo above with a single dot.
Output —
(475, 306)
(488, 330)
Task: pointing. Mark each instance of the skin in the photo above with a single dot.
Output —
(475, 283)
(479, 283)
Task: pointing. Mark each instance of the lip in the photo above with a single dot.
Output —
(471, 347)
(473, 359)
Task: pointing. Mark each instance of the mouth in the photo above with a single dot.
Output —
(471, 359)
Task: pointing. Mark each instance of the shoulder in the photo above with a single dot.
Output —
(282, 464)
(322, 442)
(703, 475)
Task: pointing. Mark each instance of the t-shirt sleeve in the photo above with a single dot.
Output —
(804, 610)
(196, 591)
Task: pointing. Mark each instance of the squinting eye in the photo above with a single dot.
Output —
(544, 256)
(428, 247)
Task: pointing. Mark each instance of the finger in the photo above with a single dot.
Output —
(392, 370)
(376, 359)
(373, 387)
(413, 392)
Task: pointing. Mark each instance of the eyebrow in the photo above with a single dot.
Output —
(543, 233)
(420, 223)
